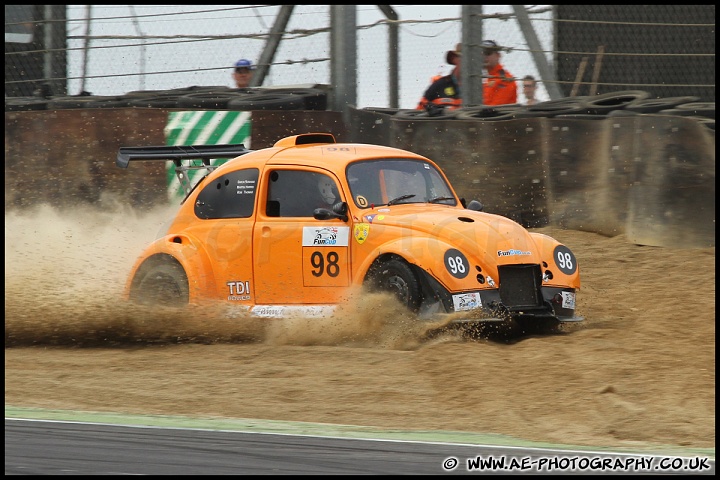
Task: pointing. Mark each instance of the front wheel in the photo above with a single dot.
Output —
(397, 277)
(163, 284)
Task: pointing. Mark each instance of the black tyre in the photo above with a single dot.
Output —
(699, 109)
(87, 101)
(198, 89)
(163, 284)
(18, 104)
(489, 113)
(313, 98)
(603, 104)
(435, 113)
(653, 105)
(383, 110)
(160, 101)
(397, 277)
(562, 106)
(267, 100)
(211, 100)
(580, 116)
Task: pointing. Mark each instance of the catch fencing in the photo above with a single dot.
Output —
(668, 50)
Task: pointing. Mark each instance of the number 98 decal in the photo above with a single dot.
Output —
(456, 263)
(565, 260)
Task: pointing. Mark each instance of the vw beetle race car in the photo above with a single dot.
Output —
(292, 228)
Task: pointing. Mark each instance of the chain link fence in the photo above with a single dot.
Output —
(590, 49)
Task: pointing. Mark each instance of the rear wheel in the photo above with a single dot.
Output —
(397, 277)
(161, 284)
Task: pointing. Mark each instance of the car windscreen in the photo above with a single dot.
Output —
(393, 181)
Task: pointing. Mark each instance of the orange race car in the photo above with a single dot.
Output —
(295, 227)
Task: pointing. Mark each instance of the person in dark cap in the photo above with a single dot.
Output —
(242, 73)
(499, 86)
(444, 91)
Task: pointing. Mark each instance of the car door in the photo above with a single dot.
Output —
(298, 259)
(225, 208)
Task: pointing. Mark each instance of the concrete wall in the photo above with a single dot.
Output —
(650, 177)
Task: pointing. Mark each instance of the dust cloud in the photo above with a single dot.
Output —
(65, 272)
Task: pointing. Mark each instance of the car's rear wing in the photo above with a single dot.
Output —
(178, 153)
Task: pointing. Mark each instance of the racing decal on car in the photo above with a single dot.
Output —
(466, 301)
(456, 263)
(568, 300)
(512, 251)
(270, 311)
(326, 236)
(361, 201)
(325, 256)
(373, 217)
(361, 232)
(239, 290)
(279, 311)
(565, 260)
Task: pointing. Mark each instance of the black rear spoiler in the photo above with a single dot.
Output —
(178, 153)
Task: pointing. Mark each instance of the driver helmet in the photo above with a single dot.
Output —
(327, 189)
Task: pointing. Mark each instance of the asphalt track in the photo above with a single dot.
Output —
(46, 442)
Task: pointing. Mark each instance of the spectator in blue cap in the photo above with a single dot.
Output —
(242, 73)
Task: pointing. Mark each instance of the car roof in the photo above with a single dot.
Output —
(320, 150)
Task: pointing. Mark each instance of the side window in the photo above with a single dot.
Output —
(229, 196)
(295, 193)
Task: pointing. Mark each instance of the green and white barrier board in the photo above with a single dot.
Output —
(202, 127)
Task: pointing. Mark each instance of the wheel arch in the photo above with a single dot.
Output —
(192, 259)
(432, 290)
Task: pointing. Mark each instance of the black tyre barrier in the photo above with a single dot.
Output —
(653, 105)
(147, 93)
(87, 101)
(267, 100)
(422, 115)
(602, 104)
(19, 104)
(581, 116)
(383, 110)
(211, 100)
(314, 98)
(160, 101)
(561, 106)
(490, 113)
(701, 109)
(199, 89)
